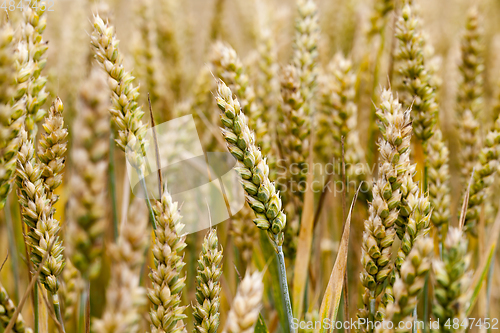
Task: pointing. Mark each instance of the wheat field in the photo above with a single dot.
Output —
(249, 166)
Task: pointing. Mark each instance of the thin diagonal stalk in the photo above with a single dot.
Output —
(284, 288)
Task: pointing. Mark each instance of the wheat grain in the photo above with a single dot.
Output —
(206, 312)
(7, 309)
(71, 288)
(165, 295)
(246, 304)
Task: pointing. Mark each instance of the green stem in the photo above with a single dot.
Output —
(284, 287)
(488, 287)
(57, 310)
(112, 184)
(150, 208)
(81, 310)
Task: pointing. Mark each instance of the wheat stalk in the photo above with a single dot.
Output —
(206, 312)
(246, 304)
(165, 295)
(452, 280)
(87, 205)
(380, 231)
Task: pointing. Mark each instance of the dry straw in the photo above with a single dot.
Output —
(166, 311)
(246, 304)
(380, 231)
(7, 309)
(87, 205)
(124, 296)
(206, 311)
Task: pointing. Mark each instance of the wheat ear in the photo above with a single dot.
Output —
(409, 285)
(87, 206)
(261, 195)
(381, 9)
(32, 60)
(9, 127)
(52, 148)
(7, 309)
(165, 295)
(206, 312)
(487, 166)
(452, 280)
(125, 110)
(305, 46)
(380, 231)
(71, 288)
(438, 181)
(415, 83)
(470, 92)
(246, 304)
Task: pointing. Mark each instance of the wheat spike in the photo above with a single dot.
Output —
(380, 231)
(7, 309)
(165, 295)
(125, 110)
(246, 304)
(87, 205)
(206, 312)
(452, 280)
(261, 195)
(9, 127)
(37, 213)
